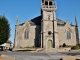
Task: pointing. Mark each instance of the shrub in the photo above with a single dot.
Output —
(75, 47)
(64, 45)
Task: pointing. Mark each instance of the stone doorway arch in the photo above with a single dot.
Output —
(49, 44)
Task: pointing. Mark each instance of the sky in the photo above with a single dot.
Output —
(28, 9)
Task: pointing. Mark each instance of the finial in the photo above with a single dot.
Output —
(76, 21)
(17, 20)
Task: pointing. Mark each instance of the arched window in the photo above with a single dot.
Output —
(68, 33)
(26, 34)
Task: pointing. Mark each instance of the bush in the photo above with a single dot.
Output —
(75, 47)
(64, 45)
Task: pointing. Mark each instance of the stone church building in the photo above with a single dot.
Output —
(46, 30)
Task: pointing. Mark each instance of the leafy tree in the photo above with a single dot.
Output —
(4, 29)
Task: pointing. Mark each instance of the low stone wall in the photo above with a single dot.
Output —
(65, 49)
(43, 50)
(54, 50)
(24, 49)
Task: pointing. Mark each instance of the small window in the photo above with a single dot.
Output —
(26, 34)
(68, 34)
(49, 33)
(46, 2)
(50, 3)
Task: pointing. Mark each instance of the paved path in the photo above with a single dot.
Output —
(38, 56)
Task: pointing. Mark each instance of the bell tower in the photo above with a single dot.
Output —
(49, 34)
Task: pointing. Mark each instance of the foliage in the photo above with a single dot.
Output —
(75, 47)
(4, 29)
(64, 45)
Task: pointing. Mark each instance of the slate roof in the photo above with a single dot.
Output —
(37, 21)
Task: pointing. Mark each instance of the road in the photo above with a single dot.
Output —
(39, 56)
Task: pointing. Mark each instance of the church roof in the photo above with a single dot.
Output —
(37, 21)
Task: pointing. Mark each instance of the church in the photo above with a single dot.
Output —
(46, 31)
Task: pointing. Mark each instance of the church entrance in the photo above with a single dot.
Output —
(49, 44)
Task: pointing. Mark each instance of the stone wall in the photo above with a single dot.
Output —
(63, 37)
(20, 41)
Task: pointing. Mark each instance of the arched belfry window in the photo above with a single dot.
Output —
(68, 33)
(26, 34)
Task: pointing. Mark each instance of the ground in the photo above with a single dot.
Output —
(40, 56)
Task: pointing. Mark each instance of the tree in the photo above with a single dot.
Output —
(4, 29)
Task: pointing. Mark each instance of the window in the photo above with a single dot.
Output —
(49, 33)
(26, 34)
(50, 3)
(46, 2)
(68, 33)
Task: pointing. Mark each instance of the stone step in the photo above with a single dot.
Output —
(53, 50)
(47, 50)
